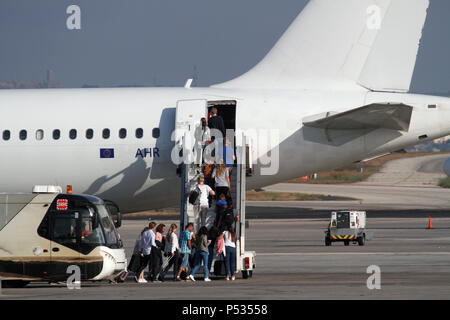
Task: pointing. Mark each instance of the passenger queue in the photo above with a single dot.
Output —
(197, 244)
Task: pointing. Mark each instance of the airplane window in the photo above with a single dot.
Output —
(122, 133)
(106, 133)
(155, 133)
(89, 134)
(73, 134)
(139, 133)
(39, 134)
(23, 134)
(6, 135)
(56, 134)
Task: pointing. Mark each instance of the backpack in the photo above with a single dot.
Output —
(228, 217)
(194, 197)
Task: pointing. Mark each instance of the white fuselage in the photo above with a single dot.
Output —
(142, 183)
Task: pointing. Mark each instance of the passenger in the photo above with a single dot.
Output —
(201, 206)
(221, 177)
(216, 122)
(145, 249)
(212, 235)
(136, 260)
(157, 253)
(230, 239)
(202, 138)
(228, 216)
(186, 248)
(207, 171)
(202, 254)
(221, 205)
(228, 155)
(172, 251)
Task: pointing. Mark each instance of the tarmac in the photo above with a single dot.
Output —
(292, 261)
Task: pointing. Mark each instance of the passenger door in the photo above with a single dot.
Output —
(65, 241)
(187, 120)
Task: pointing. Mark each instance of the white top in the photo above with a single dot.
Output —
(204, 192)
(227, 240)
(173, 245)
(201, 135)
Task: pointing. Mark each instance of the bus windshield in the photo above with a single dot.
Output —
(110, 232)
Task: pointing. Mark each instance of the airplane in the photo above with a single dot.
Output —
(335, 88)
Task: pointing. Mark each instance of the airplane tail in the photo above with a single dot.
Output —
(344, 44)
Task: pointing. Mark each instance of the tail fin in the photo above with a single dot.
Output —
(344, 44)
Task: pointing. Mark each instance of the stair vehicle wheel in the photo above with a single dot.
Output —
(361, 240)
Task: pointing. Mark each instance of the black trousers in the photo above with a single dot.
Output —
(156, 258)
(175, 262)
(144, 263)
(221, 190)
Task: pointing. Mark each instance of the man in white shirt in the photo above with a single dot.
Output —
(201, 206)
(147, 241)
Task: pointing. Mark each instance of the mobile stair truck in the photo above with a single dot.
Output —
(347, 226)
(187, 117)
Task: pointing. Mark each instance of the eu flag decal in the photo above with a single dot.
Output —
(106, 153)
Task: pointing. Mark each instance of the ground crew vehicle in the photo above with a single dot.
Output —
(43, 233)
(346, 226)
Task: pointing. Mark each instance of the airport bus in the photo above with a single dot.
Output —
(43, 233)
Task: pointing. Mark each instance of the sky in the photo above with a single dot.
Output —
(160, 42)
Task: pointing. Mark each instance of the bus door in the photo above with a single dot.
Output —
(65, 232)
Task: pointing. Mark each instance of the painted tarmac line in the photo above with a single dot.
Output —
(354, 254)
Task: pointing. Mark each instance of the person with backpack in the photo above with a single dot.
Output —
(202, 254)
(227, 219)
(221, 204)
(199, 199)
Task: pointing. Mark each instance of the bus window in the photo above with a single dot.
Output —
(64, 230)
(108, 226)
(91, 233)
(343, 220)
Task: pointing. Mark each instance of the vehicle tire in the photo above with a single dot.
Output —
(250, 273)
(346, 243)
(361, 240)
(14, 283)
(327, 242)
(245, 274)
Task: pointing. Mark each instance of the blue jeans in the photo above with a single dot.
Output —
(202, 255)
(230, 260)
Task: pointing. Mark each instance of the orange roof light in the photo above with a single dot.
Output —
(69, 189)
